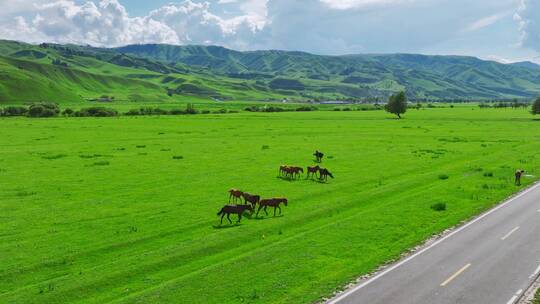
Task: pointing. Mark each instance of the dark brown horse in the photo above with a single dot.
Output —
(272, 202)
(283, 170)
(312, 171)
(238, 209)
(235, 194)
(518, 175)
(324, 174)
(318, 156)
(293, 172)
(251, 198)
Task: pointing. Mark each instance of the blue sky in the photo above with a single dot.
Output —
(502, 30)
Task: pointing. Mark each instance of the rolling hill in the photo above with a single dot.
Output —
(155, 72)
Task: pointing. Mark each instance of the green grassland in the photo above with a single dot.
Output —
(124, 209)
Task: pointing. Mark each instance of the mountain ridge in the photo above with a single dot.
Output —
(219, 72)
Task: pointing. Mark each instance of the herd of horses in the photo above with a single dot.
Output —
(251, 201)
(293, 172)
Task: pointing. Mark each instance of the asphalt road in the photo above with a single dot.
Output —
(492, 259)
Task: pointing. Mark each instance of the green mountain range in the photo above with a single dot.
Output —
(155, 72)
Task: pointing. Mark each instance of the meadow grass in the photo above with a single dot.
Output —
(123, 209)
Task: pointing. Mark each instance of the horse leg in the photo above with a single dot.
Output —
(274, 211)
(228, 218)
(279, 209)
(265, 210)
(239, 217)
(260, 207)
(222, 215)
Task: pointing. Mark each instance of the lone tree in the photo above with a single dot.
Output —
(397, 104)
(536, 107)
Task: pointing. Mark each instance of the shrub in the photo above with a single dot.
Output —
(133, 112)
(176, 112)
(43, 110)
(96, 112)
(439, 206)
(488, 174)
(346, 109)
(221, 111)
(190, 109)
(68, 112)
(306, 109)
(14, 111)
(205, 112)
(443, 176)
(178, 157)
(536, 107)
(101, 163)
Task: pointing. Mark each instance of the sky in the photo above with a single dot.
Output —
(501, 30)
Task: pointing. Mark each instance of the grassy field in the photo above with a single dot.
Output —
(124, 209)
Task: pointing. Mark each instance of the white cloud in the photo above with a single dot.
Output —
(484, 22)
(528, 18)
(350, 4)
(109, 24)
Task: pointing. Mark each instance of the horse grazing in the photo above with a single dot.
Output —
(235, 194)
(238, 209)
(518, 175)
(324, 174)
(318, 156)
(272, 202)
(250, 198)
(294, 172)
(312, 171)
(283, 170)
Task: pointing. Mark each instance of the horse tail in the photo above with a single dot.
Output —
(220, 212)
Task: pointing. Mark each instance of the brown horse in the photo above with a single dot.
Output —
(312, 171)
(283, 170)
(272, 202)
(324, 174)
(518, 175)
(250, 198)
(238, 209)
(293, 172)
(235, 194)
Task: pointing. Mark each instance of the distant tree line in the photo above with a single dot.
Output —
(44, 109)
(500, 104)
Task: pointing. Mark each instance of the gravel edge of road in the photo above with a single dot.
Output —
(530, 291)
(531, 294)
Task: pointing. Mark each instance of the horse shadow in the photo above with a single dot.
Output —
(226, 226)
(288, 179)
(268, 217)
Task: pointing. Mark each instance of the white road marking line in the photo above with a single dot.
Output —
(399, 264)
(510, 233)
(535, 272)
(455, 275)
(515, 297)
(512, 300)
